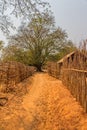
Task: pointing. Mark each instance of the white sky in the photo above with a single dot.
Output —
(70, 15)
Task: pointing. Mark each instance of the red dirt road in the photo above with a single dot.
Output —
(48, 105)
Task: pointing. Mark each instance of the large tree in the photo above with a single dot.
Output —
(40, 38)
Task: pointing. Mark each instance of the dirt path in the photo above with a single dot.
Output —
(47, 106)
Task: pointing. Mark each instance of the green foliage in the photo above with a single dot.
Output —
(40, 38)
(66, 49)
(13, 53)
(1, 44)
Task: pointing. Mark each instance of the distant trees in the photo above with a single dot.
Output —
(66, 49)
(14, 53)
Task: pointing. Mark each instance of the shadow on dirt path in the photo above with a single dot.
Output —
(47, 106)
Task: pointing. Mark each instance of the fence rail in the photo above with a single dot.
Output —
(76, 82)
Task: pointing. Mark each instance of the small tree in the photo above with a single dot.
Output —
(14, 53)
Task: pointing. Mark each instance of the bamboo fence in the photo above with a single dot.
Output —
(12, 73)
(52, 69)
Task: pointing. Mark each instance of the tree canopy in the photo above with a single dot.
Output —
(39, 39)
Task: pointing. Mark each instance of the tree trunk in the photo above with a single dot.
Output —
(39, 68)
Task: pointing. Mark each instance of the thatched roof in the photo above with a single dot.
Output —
(67, 56)
(72, 53)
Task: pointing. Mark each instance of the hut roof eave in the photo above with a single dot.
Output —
(68, 55)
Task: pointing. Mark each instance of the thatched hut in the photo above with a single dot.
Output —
(74, 60)
(60, 63)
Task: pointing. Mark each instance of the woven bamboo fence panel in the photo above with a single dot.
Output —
(52, 69)
(76, 82)
(12, 73)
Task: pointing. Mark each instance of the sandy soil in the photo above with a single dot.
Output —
(48, 105)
